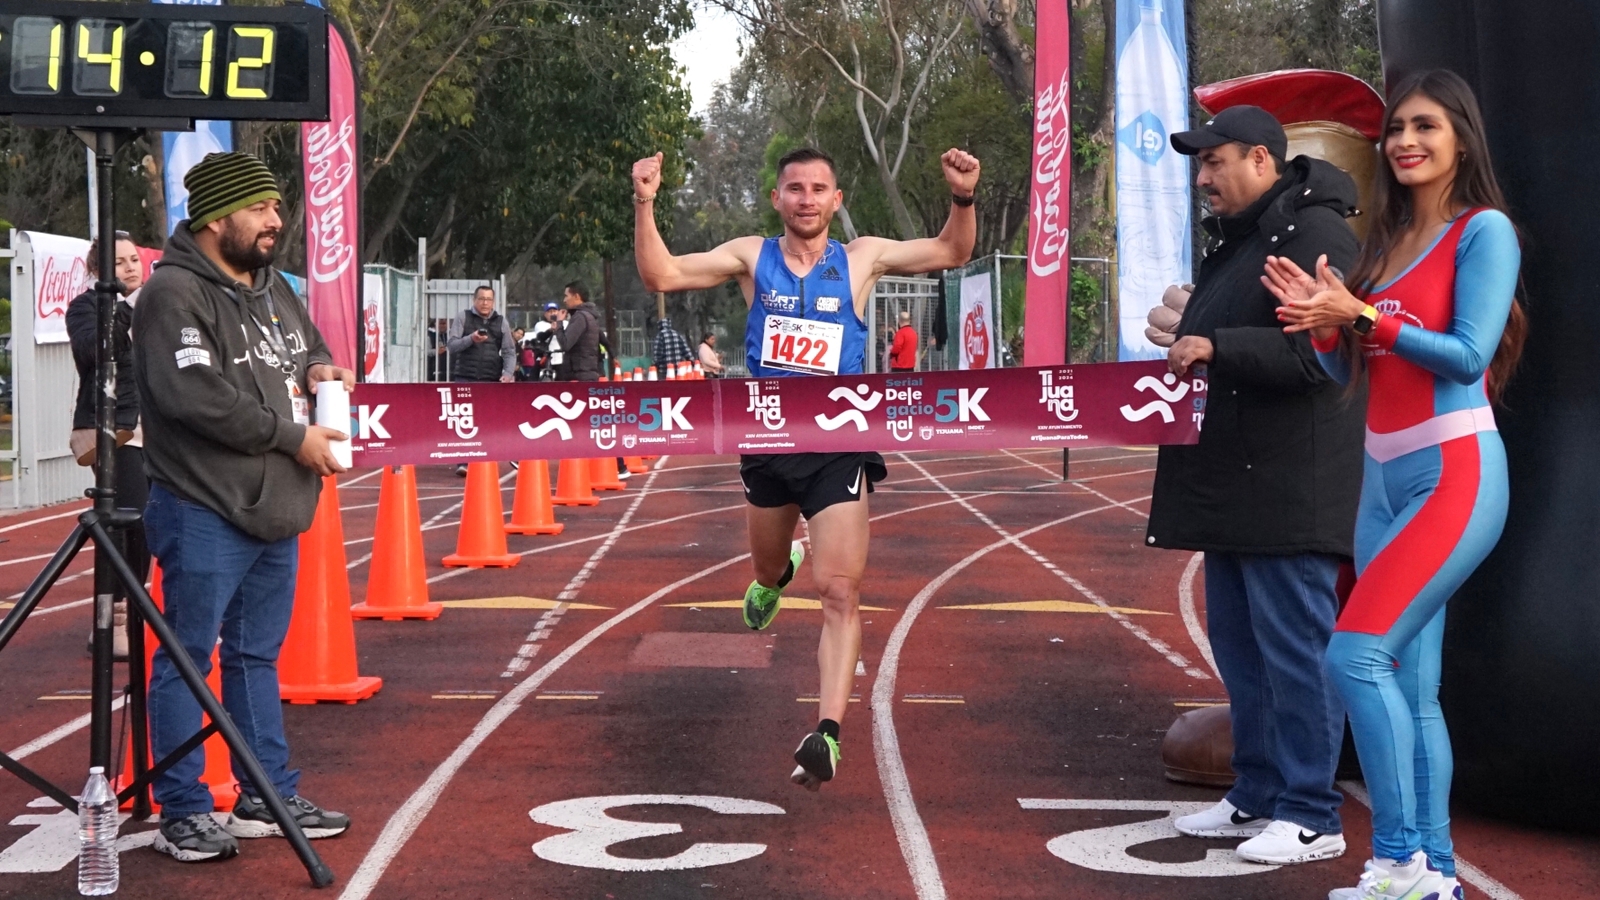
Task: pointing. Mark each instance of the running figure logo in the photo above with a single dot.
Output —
(564, 413)
(1163, 388)
(456, 416)
(859, 398)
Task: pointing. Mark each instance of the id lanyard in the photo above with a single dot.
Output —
(300, 407)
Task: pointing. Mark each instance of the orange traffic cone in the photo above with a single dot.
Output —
(318, 660)
(638, 374)
(397, 579)
(603, 474)
(572, 484)
(218, 775)
(530, 509)
(635, 464)
(482, 538)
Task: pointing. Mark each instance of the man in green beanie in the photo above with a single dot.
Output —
(226, 360)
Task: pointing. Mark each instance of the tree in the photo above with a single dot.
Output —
(884, 54)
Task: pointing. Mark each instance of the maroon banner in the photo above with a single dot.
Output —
(1044, 335)
(1090, 405)
(333, 214)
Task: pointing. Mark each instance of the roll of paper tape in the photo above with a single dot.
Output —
(333, 411)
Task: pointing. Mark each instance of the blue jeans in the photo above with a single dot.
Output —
(217, 579)
(1270, 618)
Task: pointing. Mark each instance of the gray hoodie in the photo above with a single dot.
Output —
(219, 425)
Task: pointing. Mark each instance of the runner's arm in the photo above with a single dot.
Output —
(953, 246)
(658, 268)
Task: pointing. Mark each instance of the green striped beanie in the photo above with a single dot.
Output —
(224, 183)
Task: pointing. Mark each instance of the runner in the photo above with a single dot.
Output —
(808, 284)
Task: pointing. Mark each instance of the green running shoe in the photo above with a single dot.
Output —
(761, 604)
(818, 758)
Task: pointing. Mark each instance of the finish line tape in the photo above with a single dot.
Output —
(1088, 405)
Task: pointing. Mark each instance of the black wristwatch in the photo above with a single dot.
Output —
(959, 200)
(1365, 322)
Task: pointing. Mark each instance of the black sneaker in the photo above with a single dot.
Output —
(818, 758)
(251, 819)
(196, 838)
(462, 470)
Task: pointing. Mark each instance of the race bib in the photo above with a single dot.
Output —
(801, 345)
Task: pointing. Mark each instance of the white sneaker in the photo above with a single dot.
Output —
(1385, 879)
(1221, 821)
(1285, 843)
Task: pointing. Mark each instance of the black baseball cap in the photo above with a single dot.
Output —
(1246, 124)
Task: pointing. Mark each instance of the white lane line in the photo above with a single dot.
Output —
(1466, 871)
(87, 548)
(54, 735)
(360, 478)
(1191, 619)
(908, 827)
(1137, 630)
(77, 511)
(405, 821)
(519, 662)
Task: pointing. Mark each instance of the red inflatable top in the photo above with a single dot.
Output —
(1301, 95)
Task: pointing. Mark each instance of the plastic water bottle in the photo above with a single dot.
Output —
(97, 837)
(1152, 178)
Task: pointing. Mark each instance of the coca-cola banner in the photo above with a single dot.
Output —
(1045, 316)
(1054, 406)
(977, 321)
(333, 215)
(60, 273)
(374, 328)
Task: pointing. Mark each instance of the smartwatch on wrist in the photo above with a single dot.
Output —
(1364, 323)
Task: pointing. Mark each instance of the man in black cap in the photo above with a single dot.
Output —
(226, 361)
(1269, 493)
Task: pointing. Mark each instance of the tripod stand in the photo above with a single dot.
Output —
(107, 526)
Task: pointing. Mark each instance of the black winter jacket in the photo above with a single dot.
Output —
(83, 330)
(1278, 467)
(581, 343)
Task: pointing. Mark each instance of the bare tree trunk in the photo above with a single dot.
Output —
(1009, 56)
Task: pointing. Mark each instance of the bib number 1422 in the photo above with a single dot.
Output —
(801, 345)
(799, 350)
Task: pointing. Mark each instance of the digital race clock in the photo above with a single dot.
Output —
(120, 61)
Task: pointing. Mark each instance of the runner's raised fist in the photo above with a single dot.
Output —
(647, 176)
(960, 170)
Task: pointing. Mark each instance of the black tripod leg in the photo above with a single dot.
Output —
(138, 691)
(321, 875)
(42, 583)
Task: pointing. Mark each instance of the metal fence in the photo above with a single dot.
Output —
(918, 296)
(44, 390)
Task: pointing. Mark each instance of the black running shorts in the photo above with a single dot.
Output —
(813, 481)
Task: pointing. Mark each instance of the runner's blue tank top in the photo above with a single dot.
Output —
(823, 295)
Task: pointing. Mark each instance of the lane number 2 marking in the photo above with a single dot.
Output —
(1106, 849)
(591, 831)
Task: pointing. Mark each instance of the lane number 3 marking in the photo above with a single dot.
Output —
(1106, 849)
(591, 831)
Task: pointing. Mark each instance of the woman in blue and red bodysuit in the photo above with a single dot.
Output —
(1435, 324)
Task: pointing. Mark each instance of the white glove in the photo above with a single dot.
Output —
(1164, 319)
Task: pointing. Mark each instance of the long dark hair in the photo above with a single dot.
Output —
(1474, 187)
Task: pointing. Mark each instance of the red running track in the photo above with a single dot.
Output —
(634, 741)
